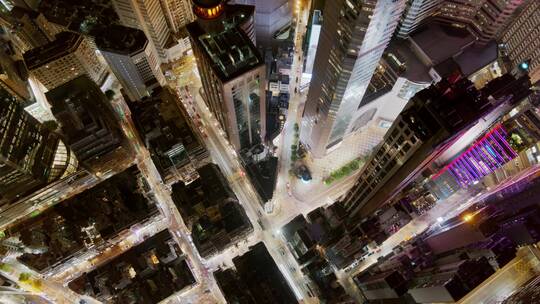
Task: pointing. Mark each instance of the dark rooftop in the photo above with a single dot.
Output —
(258, 271)
(64, 44)
(121, 39)
(224, 44)
(439, 42)
(146, 273)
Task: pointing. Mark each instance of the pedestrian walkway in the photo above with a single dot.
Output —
(353, 146)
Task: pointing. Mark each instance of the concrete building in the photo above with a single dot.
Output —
(382, 286)
(416, 13)
(232, 71)
(271, 16)
(67, 57)
(254, 269)
(449, 282)
(132, 59)
(86, 118)
(12, 74)
(21, 27)
(341, 74)
(211, 211)
(422, 132)
(178, 13)
(312, 44)
(148, 16)
(484, 18)
(169, 134)
(522, 39)
(31, 155)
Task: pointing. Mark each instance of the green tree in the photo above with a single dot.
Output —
(23, 277)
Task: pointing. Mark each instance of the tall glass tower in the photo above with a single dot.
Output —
(31, 156)
(353, 38)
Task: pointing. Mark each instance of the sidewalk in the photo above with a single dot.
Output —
(353, 146)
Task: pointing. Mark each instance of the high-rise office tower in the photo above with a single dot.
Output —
(232, 71)
(485, 18)
(522, 39)
(416, 13)
(271, 16)
(69, 56)
(353, 38)
(428, 125)
(178, 13)
(148, 16)
(30, 154)
(132, 59)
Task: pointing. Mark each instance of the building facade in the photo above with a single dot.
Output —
(353, 39)
(11, 77)
(133, 61)
(522, 39)
(232, 73)
(271, 16)
(416, 13)
(148, 16)
(178, 13)
(86, 119)
(484, 18)
(422, 132)
(67, 57)
(23, 29)
(31, 155)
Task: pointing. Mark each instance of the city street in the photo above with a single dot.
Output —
(507, 279)
(445, 209)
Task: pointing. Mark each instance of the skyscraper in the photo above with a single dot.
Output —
(352, 41)
(178, 13)
(132, 59)
(522, 39)
(428, 125)
(148, 16)
(67, 57)
(231, 69)
(271, 16)
(30, 154)
(416, 13)
(484, 18)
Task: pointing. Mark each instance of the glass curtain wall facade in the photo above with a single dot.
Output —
(353, 38)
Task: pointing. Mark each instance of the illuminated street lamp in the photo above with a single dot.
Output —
(468, 217)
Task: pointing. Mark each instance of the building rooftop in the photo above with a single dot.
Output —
(229, 50)
(258, 271)
(110, 207)
(82, 16)
(168, 134)
(439, 42)
(121, 39)
(475, 58)
(146, 273)
(64, 44)
(212, 212)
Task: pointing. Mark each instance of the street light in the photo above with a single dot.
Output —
(468, 217)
